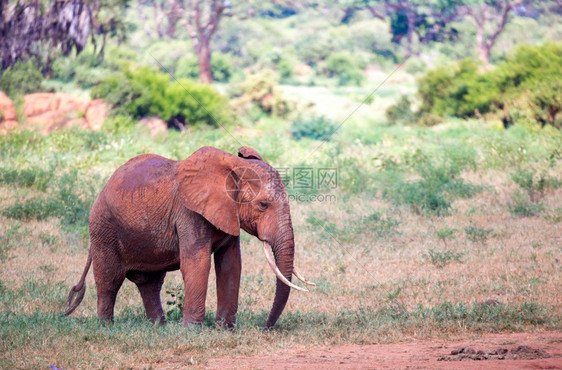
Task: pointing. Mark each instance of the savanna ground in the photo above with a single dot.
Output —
(435, 234)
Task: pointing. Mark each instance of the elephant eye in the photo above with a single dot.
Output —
(263, 205)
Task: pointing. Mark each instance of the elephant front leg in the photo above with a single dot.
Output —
(195, 267)
(228, 265)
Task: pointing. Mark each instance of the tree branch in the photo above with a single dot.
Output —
(375, 12)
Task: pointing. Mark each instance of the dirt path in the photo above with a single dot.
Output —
(494, 351)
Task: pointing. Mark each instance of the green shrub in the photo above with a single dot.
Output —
(21, 78)
(187, 67)
(529, 80)
(521, 205)
(118, 124)
(31, 177)
(534, 183)
(442, 259)
(221, 67)
(345, 68)
(145, 92)
(435, 191)
(401, 112)
(380, 225)
(68, 68)
(69, 199)
(546, 102)
(318, 128)
(260, 90)
(476, 234)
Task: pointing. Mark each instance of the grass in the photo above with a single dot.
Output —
(405, 251)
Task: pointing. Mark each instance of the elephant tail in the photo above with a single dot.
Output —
(77, 292)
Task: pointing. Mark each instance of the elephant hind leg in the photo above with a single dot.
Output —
(107, 290)
(149, 285)
(109, 277)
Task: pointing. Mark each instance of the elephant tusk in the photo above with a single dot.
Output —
(301, 278)
(277, 272)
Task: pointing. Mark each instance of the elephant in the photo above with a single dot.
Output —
(156, 215)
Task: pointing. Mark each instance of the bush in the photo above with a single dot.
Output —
(221, 67)
(145, 92)
(343, 67)
(68, 68)
(261, 90)
(477, 234)
(69, 198)
(21, 78)
(534, 183)
(522, 207)
(529, 80)
(401, 112)
(442, 259)
(318, 128)
(434, 193)
(118, 124)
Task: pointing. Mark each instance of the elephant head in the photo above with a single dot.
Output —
(244, 192)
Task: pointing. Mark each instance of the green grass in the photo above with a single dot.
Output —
(40, 338)
(397, 254)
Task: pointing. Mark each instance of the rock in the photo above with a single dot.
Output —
(50, 111)
(6, 126)
(155, 124)
(7, 108)
(96, 113)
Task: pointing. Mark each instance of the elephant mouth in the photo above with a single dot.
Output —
(271, 262)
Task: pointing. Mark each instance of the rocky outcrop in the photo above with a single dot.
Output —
(155, 125)
(49, 111)
(8, 116)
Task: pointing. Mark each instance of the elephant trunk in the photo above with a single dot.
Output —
(284, 252)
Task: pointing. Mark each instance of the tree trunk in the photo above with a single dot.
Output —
(204, 55)
(411, 16)
(482, 45)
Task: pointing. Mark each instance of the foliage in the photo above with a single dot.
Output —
(67, 198)
(314, 127)
(535, 184)
(144, 92)
(521, 205)
(344, 67)
(442, 259)
(118, 124)
(221, 67)
(29, 177)
(477, 234)
(68, 68)
(434, 192)
(260, 90)
(461, 89)
(401, 112)
(21, 78)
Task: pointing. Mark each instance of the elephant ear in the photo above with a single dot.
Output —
(248, 153)
(207, 185)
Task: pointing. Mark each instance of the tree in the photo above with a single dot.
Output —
(489, 15)
(25, 24)
(32, 28)
(202, 22)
